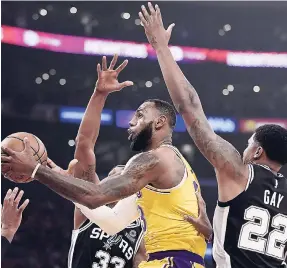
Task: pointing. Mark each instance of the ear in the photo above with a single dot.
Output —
(160, 121)
(258, 153)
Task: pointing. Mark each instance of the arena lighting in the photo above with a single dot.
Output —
(45, 76)
(156, 80)
(72, 114)
(256, 89)
(225, 92)
(43, 12)
(221, 32)
(49, 7)
(38, 80)
(52, 72)
(96, 46)
(71, 142)
(148, 84)
(230, 88)
(219, 124)
(62, 81)
(125, 15)
(227, 27)
(137, 22)
(73, 10)
(35, 16)
(187, 148)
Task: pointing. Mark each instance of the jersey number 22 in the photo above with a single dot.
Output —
(252, 233)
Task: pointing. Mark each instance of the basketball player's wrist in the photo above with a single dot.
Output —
(35, 169)
(99, 93)
(8, 233)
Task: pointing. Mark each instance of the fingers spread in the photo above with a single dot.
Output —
(7, 151)
(126, 84)
(13, 195)
(151, 8)
(113, 62)
(6, 159)
(99, 69)
(122, 66)
(170, 28)
(146, 15)
(104, 63)
(7, 196)
(18, 198)
(24, 205)
(143, 20)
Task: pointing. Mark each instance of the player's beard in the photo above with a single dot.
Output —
(142, 140)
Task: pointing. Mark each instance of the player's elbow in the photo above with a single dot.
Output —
(90, 200)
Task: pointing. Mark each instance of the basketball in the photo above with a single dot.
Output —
(15, 142)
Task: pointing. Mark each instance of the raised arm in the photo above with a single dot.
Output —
(220, 153)
(90, 125)
(143, 169)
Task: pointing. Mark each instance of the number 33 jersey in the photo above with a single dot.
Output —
(91, 247)
(250, 231)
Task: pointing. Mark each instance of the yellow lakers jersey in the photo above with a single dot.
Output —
(163, 211)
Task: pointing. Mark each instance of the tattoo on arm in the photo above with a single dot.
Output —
(136, 176)
(89, 173)
(220, 153)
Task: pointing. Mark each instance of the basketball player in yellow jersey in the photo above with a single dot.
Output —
(169, 240)
(165, 184)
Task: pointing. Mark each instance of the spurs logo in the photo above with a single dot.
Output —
(113, 240)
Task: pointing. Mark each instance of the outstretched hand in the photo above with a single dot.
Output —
(22, 163)
(108, 77)
(11, 215)
(69, 171)
(154, 28)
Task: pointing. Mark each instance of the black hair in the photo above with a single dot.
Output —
(166, 109)
(273, 139)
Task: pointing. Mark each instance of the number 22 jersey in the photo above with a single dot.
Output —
(251, 230)
(91, 247)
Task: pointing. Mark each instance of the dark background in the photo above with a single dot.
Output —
(44, 237)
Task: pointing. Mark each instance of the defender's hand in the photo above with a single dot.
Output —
(154, 28)
(11, 215)
(202, 223)
(69, 171)
(116, 170)
(108, 77)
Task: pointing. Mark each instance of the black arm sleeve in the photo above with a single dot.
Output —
(4, 246)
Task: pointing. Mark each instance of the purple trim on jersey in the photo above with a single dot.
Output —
(143, 218)
(195, 185)
(181, 258)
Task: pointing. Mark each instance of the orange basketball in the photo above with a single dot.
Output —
(15, 142)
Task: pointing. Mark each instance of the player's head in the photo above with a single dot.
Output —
(268, 143)
(153, 117)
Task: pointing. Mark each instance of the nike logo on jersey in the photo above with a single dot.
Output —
(274, 199)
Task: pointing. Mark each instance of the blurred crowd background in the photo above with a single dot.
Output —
(234, 53)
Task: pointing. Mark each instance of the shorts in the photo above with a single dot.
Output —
(173, 259)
